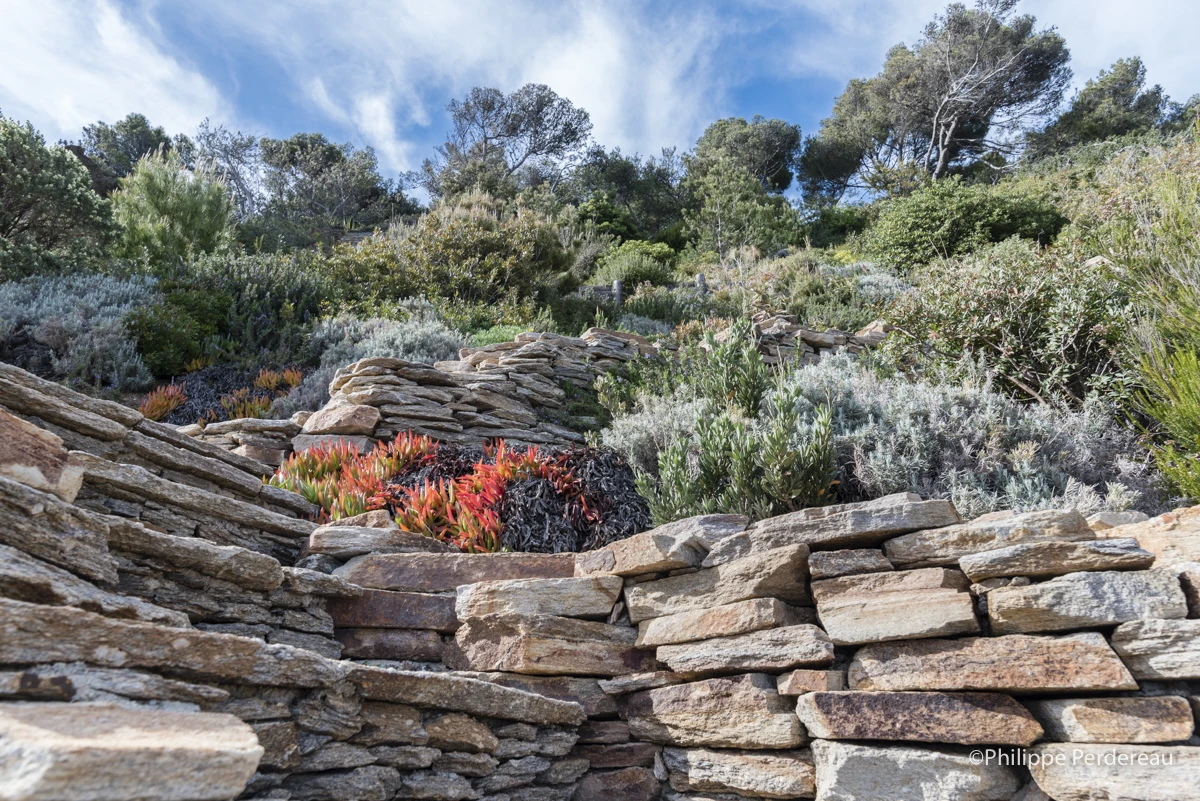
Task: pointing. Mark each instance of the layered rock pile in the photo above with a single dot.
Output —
(265, 441)
(781, 339)
(882, 651)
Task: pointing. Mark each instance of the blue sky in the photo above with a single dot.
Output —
(380, 73)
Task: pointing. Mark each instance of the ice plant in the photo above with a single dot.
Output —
(162, 401)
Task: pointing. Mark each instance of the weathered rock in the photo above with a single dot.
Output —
(303, 442)
(345, 542)
(879, 607)
(336, 756)
(1102, 521)
(45, 527)
(36, 457)
(376, 518)
(31, 685)
(68, 413)
(604, 732)
(588, 597)
(428, 572)
(634, 682)
(100, 751)
(389, 724)
(579, 690)
(1038, 559)
(1161, 650)
(855, 772)
(629, 784)
(461, 694)
(1016, 663)
(955, 718)
(246, 568)
(1077, 772)
(780, 573)
(368, 783)
(547, 646)
(398, 644)
(458, 732)
(281, 745)
(855, 526)
(400, 610)
(346, 419)
(1083, 600)
(683, 543)
(736, 712)
(405, 757)
(782, 774)
(1173, 537)
(770, 649)
(945, 546)
(619, 755)
(1152, 719)
(741, 617)
(465, 764)
(847, 562)
(799, 682)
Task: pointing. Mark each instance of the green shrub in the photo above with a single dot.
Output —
(1049, 324)
(949, 218)
(169, 213)
(496, 334)
(49, 216)
(633, 268)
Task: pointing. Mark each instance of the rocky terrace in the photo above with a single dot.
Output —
(160, 640)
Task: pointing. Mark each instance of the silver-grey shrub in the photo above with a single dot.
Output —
(79, 320)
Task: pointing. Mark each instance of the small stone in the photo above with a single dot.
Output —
(781, 774)
(547, 646)
(604, 732)
(1086, 600)
(458, 732)
(1156, 719)
(629, 784)
(799, 682)
(397, 644)
(1078, 772)
(683, 543)
(622, 685)
(945, 546)
(857, 772)
(619, 755)
(389, 724)
(770, 650)
(396, 610)
(955, 718)
(465, 764)
(368, 783)
(1016, 663)
(741, 617)
(564, 597)
(564, 771)
(1102, 521)
(1037, 559)
(345, 542)
(405, 757)
(376, 518)
(1160, 650)
(847, 562)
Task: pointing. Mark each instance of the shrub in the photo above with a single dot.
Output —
(49, 215)
(632, 268)
(169, 213)
(71, 328)
(162, 401)
(948, 218)
(1047, 324)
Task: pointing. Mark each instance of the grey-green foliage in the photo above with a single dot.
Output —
(338, 341)
(77, 322)
(963, 441)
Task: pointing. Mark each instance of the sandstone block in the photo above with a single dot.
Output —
(575, 690)
(1152, 719)
(302, 442)
(99, 751)
(945, 546)
(854, 772)
(547, 646)
(880, 607)
(634, 682)
(721, 621)
(799, 682)
(769, 649)
(589, 596)
(780, 573)
(955, 718)
(36, 458)
(398, 644)
(345, 542)
(737, 712)
(683, 543)
(782, 774)
(1173, 537)
(1016, 663)
(395, 610)
(458, 732)
(847, 562)
(1102, 521)
(430, 572)
(1078, 772)
(1037, 559)
(376, 518)
(1161, 650)
(855, 526)
(873, 584)
(1082, 600)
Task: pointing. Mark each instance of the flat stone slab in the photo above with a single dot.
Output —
(1041, 559)
(431, 572)
(395, 610)
(737, 712)
(1086, 600)
(635, 682)
(1161, 650)
(767, 650)
(95, 752)
(779, 774)
(855, 526)
(543, 645)
(847, 562)
(945, 546)
(1173, 537)
(781, 573)
(1150, 719)
(343, 419)
(346, 542)
(928, 717)
(857, 772)
(589, 596)
(676, 545)
(1017, 663)
(579, 690)
(880, 607)
(721, 621)
(397, 644)
(870, 585)
(802, 681)
(1079, 772)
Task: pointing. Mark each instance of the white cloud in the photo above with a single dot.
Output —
(67, 64)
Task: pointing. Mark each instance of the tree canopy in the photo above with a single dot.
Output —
(118, 147)
(768, 149)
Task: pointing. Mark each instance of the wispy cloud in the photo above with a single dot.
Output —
(67, 64)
